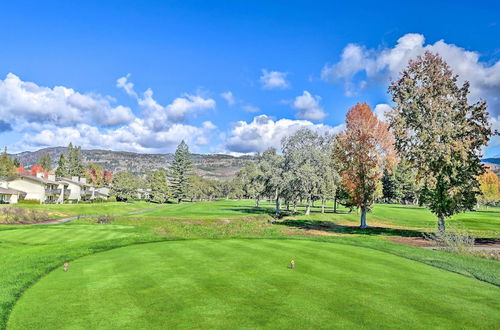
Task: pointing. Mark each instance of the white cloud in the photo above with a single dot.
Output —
(381, 110)
(128, 86)
(229, 97)
(20, 100)
(264, 132)
(308, 107)
(380, 64)
(274, 80)
(250, 108)
(56, 116)
(136, 136)
(160, 117)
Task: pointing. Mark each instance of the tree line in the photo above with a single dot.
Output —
(427, 151)
(70, 164)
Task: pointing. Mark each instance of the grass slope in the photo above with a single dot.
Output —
(27, 253)
(483, 223)
(246, 284)
(57, 211)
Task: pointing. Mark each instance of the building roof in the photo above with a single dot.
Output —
(9, 191)
(33, 178)
(76, 182)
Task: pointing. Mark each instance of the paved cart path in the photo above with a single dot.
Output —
(66, 220)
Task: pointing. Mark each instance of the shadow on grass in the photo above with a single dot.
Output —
(284, 213)
(252, 210)
(330, 226)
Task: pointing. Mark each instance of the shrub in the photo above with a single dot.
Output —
(29, 201)
(456, 240)
(22, 215)
(104, 219)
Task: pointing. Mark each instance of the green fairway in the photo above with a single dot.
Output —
(247, 284)
(361, 263)
(62, 234)
(483, 223)
(210, 210)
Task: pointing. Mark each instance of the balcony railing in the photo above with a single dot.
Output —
(53, 191)
(87, 192)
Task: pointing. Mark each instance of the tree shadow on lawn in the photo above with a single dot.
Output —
(404, 207)
(252, 210)
(330, 226)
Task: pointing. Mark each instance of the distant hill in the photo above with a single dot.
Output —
(492, 160)
(210, 166)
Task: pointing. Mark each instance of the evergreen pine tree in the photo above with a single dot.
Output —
(157, 181)
(6, 164)
(62, 167)
(74, 161)
(180, 172)
(46, 162)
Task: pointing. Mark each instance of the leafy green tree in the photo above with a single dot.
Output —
(62, 166)
(74, 161)
(180, 172)
(399, 186)
(46, 162)
(271, 172)
(17, 162)
(250, 177)
(406, 187)
(303, 161)
(388, 186)
(157, 182)
(440, 134)
(125, 186)
(6, 164)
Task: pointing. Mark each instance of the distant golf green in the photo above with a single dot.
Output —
(247, 284)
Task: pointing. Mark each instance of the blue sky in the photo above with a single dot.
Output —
(228, 76)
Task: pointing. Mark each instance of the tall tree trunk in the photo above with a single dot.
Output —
(294, 206)
(313, 202)
(323, 205)
(363, 218)
(308, 208)
(257, 201)
(278, 204)
(287, 205)
(441, 224)
(335, 204)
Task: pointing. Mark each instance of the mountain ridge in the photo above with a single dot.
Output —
(220, 167)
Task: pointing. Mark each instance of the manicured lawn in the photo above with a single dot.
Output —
(246, 284)
(29, 252)
(483, 223)
(224, 209)
(63, 234)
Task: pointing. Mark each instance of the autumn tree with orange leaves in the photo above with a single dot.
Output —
(361, 153)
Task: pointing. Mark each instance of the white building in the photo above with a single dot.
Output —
(35, 188)
(80, 189)
(10, 196)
